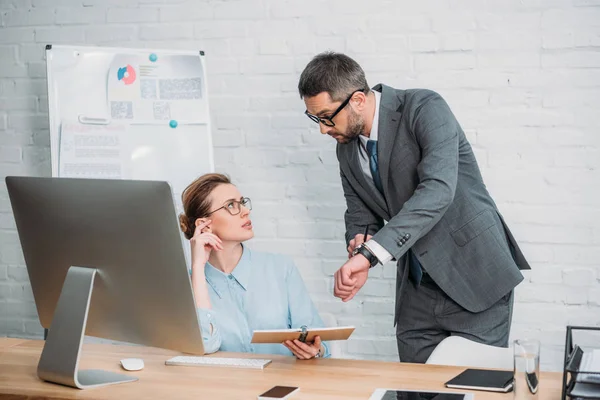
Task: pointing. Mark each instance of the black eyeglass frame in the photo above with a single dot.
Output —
(328, 121)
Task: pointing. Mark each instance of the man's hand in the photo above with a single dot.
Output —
(351, 277)
(357, 241)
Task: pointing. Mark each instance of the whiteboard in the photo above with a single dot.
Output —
(118, 113)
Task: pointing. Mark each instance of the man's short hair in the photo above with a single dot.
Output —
(334, 73)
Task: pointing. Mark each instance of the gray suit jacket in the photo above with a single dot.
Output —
(434, 196)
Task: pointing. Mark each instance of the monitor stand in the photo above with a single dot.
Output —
(60, 357)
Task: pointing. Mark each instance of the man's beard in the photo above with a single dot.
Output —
(356, 126)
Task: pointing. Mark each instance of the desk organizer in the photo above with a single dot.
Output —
(577, 383)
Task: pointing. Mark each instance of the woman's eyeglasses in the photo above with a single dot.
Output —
(234, 207)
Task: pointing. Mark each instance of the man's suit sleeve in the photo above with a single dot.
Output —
(437, 134)
(357, 215)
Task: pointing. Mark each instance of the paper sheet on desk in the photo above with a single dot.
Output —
(93, 151)
(172, 88)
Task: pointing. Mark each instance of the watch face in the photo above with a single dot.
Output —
(356, 250)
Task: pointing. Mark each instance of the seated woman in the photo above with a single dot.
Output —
(237, 290)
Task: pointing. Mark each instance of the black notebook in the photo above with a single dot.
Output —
(482, 379)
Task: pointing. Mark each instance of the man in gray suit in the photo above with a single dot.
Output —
(411, 180)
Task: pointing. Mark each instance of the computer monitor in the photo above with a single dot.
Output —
(105, 258)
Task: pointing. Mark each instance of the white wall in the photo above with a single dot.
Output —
(523, 77)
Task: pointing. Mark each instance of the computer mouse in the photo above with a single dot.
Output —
(132, 364)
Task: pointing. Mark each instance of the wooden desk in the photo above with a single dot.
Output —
(318, 379)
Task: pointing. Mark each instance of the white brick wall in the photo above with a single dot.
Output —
(523, 77)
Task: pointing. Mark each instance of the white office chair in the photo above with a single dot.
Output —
(456, 350)
(335, 346)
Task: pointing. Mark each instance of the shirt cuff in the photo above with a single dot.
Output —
(211, 336)
(326, 353)
(382, 254)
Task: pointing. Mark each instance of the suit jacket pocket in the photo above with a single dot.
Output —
(479, 224)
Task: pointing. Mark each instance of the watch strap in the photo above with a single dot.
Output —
(368, 254)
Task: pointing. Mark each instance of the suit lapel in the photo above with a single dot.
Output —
(355, 167)
(366, 190)
(389, 121)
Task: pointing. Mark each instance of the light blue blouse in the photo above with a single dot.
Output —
(264, 291)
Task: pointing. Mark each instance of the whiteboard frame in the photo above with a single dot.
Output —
(52, 112)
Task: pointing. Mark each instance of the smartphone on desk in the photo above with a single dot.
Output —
(278, 392)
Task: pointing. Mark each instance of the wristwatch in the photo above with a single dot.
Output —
(369, 255)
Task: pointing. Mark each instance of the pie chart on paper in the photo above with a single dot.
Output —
(126, 74)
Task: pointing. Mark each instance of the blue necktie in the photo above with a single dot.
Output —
(415, 269)
(372, 150)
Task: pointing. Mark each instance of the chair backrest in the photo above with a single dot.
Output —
(459, 351)
(335, 346)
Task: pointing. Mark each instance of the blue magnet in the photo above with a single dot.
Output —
(153, 57)
(173, 123)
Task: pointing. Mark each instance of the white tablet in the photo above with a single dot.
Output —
(402, 394)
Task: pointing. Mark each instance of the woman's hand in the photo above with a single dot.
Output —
(202, 244)
(304, 351)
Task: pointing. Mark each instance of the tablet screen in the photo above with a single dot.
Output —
(407, 395)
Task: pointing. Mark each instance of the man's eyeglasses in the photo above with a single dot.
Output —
(328, 121)
(234, 207)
